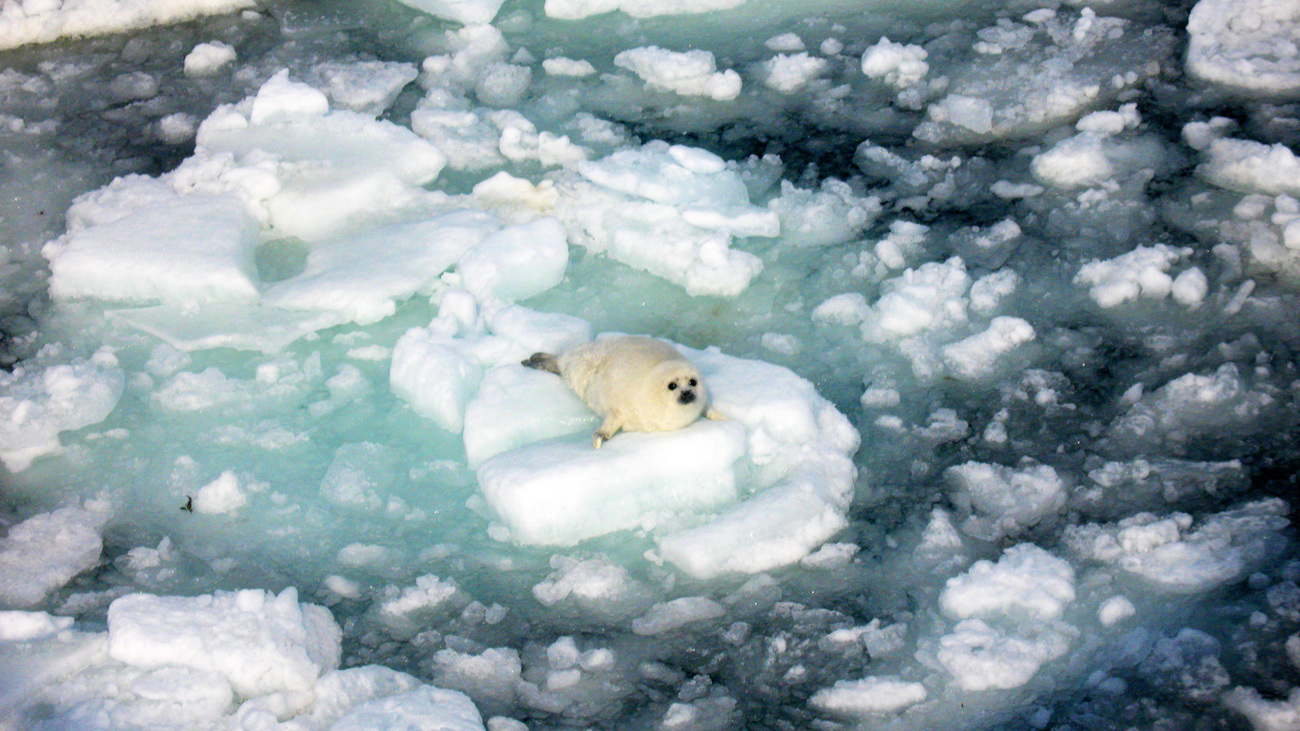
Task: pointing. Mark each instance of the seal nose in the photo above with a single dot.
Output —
(685, 397)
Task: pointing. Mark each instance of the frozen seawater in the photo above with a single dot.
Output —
(998, 301)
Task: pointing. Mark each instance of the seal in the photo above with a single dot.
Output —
(633, 383)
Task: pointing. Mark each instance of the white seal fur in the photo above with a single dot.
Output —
(633, 383)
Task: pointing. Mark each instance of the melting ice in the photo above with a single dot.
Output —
(999, 301)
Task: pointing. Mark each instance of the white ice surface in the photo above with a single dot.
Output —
(1245, 47)
(42, 22)
(42, 553)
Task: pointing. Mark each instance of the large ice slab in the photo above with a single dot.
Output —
(761, 489)
(1248, 47)
(40, 554)
(187, 249)
(564, 492)
(25, 23)
(260, 642)
(40, 399)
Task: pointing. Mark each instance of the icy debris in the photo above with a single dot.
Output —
(1005, 500)
(788, 73)
(830, 215)
(593, 587)
(42, 397)
(1009, 615)
(1187, 663)
(575, 9)
(1179, 555)
(369, 87)
(42, 553)
(43, 22)
(1115, 610)
(18, 626)
(1047, 71)
(669, 210)
(1193, 404)
(1251, 167)
(689, 73)
(1245, 47)
(186, 249)
(562, 492)
(896, 64)
(979, 356)
(1141, 273)
(1025, 581)
(677, 613)
(259, 642)
(983, 657)
(871, 695)
(1264, 714)
(1099, 154)
(785, 42)
(208, 59)
(467, 12)
(428, 708)
(491, 677)
(222, 495)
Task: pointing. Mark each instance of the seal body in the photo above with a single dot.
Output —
(633, 383)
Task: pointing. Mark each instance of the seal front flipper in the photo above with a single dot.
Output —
(607, 429)
(714, 414)
(543, 362)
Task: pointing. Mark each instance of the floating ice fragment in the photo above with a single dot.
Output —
(42, 553)
(671, 615)
(690, 73)
(1245, 47)
(207, 59)
(1026, 581)
(574, 9)
(871, 695)
(468, 12)
(262, 643)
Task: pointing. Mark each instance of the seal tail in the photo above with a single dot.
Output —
(543, 362)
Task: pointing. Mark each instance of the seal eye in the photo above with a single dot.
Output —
(672, 386)
(693, 383)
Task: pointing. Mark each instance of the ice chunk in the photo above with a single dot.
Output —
(564, 492)
(42, 22)
(261, 642)
(593, 587)
(1025, 581)
(1174, 557)
(314, 169)
(870, 695)
(1263, 714)
(469, 12)
(671, 615)
(40, 554)
(831, 215)
(690, 73)
(517, 406)
(188, 249)
(517, 262)
(1251, 167)
(435, 375)
(27, 626)
(1006, 498)
(369, 87)
(981, 356)
(363, 276)
(1248, 48)
(982, 657)
(788, 73)
(222, 495)
(422, 709)
(896, 64)
(207, 59)
(40, 399)
(1142, 272)
(574, 9)
(669, 210)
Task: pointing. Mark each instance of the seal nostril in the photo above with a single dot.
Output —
(686, 397)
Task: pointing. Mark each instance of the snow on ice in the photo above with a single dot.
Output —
(998, 303)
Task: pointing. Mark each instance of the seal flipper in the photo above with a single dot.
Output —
(713, 414)
(543, 362)
(613, 422)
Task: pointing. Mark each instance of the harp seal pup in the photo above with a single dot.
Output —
(633, 383)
